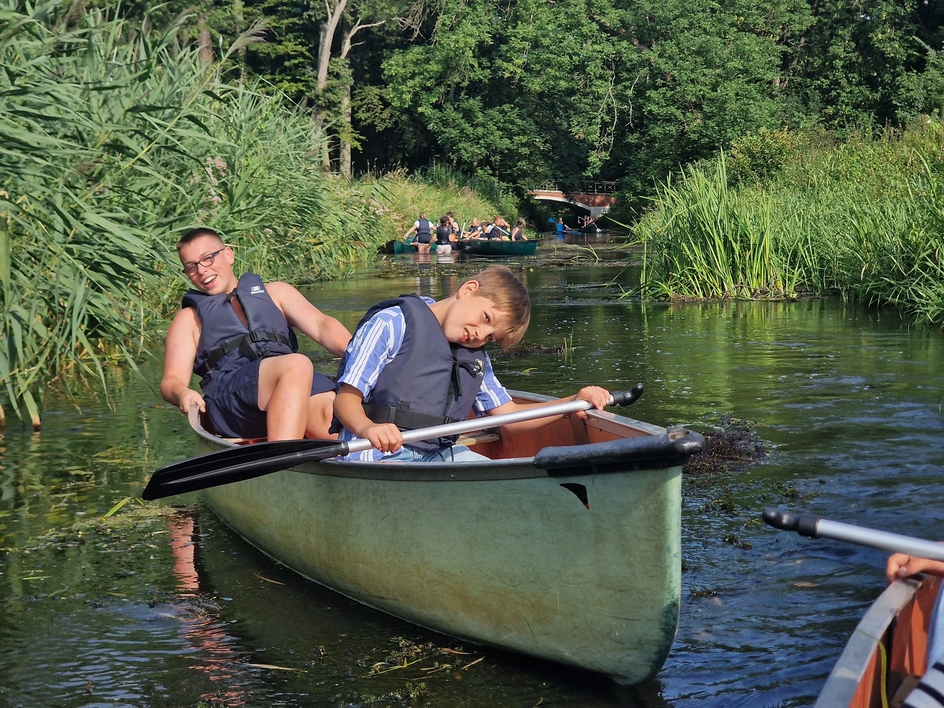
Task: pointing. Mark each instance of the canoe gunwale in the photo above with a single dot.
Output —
(656, 448)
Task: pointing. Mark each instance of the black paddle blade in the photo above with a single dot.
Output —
(237, 464)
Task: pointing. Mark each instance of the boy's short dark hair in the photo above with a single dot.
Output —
(509, 295)
(196, 233)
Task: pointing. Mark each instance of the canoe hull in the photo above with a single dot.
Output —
(500, 554)
(501, 248)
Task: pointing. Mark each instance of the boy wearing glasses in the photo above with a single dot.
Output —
(236, 334)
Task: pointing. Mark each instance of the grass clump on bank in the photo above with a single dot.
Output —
(785, 215)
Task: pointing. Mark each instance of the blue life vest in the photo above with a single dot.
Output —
(224, 339)
(430, 381)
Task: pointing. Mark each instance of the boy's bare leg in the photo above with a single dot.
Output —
(284, 392)
(320, 415)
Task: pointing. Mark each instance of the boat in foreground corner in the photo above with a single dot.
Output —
(565, 545)
(886, 654)
(483, 247)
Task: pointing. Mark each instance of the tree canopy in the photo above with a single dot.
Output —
(532, 90)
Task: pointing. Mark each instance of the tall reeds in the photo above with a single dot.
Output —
(864, 219)
(703, 242)
(112, 140)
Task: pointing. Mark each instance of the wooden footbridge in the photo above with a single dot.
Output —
(595, 196)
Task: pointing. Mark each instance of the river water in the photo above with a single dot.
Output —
(160, 605)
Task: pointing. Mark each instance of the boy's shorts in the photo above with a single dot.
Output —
(233, 402)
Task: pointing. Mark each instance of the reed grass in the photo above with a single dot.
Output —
(863, 218)
(703, 242)
(113, 140)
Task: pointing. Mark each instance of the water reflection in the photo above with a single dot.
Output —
(216, 653)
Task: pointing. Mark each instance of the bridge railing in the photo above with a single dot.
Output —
(600, 186)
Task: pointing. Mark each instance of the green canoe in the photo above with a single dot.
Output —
(552, 548)
(482, 247)
(403, 247)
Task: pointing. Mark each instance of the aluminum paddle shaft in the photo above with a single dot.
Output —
(621, 398)
(818, 527)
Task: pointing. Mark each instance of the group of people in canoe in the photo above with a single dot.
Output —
(448, 232)
(237, 334)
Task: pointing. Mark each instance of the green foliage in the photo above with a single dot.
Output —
(704, 242)
(856, 59)
(532, 90)
(864, 218)
(111, 142)
(756, 157)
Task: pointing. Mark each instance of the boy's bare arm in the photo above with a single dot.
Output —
(349, 410)
(180, 352)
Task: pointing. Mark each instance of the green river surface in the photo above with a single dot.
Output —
(160, 605)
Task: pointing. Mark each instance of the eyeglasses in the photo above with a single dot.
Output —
(206, 262)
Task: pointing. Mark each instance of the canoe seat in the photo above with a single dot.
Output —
(479, 436)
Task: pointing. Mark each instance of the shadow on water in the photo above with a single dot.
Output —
(159, 605)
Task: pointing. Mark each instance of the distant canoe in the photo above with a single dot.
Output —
(886, 652)
(402, 247)
(481, 247)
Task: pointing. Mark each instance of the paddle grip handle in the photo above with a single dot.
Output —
(625, 398)
(804, 524)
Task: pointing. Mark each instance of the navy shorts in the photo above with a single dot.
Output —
(232, 402)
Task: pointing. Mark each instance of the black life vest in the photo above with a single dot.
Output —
(430, 381)
(443, 233)
(224, 338)
(424, 232)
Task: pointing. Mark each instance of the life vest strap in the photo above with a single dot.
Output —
(243, 342)
(404, 417)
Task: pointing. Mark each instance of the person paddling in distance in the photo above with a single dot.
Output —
(424, 233)
(415, 362)
(444, 237)
(236, 333)
(517, 231)
(474, 231)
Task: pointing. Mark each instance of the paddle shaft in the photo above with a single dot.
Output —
(497, 421)
(818, 527)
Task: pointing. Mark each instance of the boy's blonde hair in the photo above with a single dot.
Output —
(509, 295)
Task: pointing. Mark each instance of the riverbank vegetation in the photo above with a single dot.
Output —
(113, 140)
(525, 92)
(787, 214)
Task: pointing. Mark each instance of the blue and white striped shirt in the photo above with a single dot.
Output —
(375, 345)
